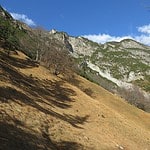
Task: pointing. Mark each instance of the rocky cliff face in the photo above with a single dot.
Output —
(76, 45)
(120, 62)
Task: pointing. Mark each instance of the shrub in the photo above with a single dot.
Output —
(134, 96)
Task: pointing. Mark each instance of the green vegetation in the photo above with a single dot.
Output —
(13, 36)
(144, 83)
(118, 59)
(9, 34)
(94, 58)
(94, 77)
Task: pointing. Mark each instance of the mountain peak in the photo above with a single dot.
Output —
(53, 31)
(130, 43)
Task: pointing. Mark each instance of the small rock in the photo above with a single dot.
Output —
(103, 116)
(120, 147)
(86, 137)
(18, 109)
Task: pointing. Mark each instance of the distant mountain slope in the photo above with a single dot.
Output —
(41, 111)
(121, 62)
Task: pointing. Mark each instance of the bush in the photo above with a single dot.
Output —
(134, 96)
(8, 34)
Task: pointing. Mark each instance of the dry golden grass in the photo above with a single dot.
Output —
(42, 111)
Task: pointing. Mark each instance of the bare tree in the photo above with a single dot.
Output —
(134, 96)
(58, 61)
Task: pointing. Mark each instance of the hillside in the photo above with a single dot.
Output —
(41, 111)
(122, 67)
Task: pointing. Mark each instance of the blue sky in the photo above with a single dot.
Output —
(98, 20)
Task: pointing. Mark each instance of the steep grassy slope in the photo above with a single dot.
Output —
(42, 111)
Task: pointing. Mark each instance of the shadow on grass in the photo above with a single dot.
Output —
(17, 62)
(15, 138)
(40, 94)
(76, 82)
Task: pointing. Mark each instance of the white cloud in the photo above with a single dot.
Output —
(145, 39)
(103, 38)
(23, 18)
(144, 29)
